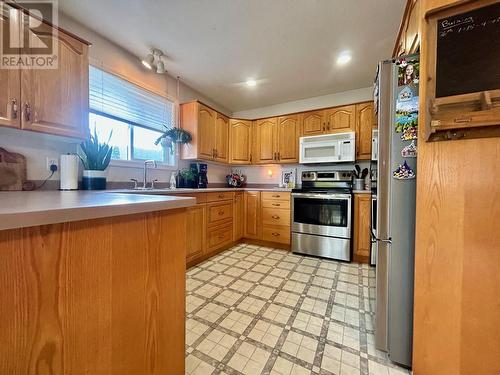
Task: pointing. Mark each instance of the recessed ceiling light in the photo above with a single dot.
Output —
(344, 58)
(251, 82)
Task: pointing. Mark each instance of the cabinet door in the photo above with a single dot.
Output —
(196, 231)
(238, 218)
(206, 132)
(364, 126)
(56, 101)
(265, 141)
(313, 123)
(288, 139)
(240, 142)
(362, 212)
(221, 138)
(10, 88)
(341, 119)
(252, 215)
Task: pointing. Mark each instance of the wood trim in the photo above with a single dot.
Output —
(409, 5)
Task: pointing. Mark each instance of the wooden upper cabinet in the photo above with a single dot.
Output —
(55, 101)
(10, 89)
(265, 132)
(240, 141)
(365, 120)
(221, 138)
(408, 40)
(288, 139)
(206, 132)
(340, 119)
(313, 123)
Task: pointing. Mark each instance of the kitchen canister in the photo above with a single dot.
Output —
(359, 184)
(69, 172)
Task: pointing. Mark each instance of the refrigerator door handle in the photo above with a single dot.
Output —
(375, 239)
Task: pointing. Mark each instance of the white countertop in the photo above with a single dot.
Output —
(20, 209)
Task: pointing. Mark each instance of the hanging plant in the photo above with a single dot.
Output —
(171, 136)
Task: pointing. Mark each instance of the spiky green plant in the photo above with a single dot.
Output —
(95, 155)
(174, 135)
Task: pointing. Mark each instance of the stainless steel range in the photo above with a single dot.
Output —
(322, 215)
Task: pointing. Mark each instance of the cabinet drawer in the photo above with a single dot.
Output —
(267, 203)
(276, 234)
(217, 196)
(219, 212)
(275, 216)
(278, 195)
(200, 197)
(219, 237)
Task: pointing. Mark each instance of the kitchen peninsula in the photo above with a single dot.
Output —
(94, 283)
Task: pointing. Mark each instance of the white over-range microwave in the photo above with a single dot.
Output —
(328, 148)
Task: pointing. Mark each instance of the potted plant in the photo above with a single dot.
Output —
(95, 158)
(171, 136)
(188, 178)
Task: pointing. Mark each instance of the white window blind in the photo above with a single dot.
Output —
(115, 97)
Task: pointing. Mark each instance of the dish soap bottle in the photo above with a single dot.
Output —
(172, 181)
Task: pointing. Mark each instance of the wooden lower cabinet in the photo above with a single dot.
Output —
(238, 216)
(219, 237)
(276, 233)
(104, 296)
(362, 218)
(196, 219)
(276, 217)
(252, 226)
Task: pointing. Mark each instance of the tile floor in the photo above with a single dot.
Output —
(255, 310)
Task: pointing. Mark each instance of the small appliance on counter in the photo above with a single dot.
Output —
(69, 172)
(202, 176)
(322, 215)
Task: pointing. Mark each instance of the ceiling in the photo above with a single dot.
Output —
(289, 46)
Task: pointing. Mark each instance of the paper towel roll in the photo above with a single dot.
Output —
(69, 172)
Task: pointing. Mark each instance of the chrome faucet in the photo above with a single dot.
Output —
(145, 181)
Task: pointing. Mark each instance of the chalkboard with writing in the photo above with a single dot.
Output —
(468, 52)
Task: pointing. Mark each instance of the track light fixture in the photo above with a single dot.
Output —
(153, 60)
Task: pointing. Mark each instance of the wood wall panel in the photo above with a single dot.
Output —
(457, 303)
(104, 296)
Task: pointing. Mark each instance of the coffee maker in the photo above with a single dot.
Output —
(202, 174)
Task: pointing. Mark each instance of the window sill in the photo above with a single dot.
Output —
(140, 165)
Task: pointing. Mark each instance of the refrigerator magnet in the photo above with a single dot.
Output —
(408, 72)
(410, 133)
(403, 172)
(409, 151)
(406, 109)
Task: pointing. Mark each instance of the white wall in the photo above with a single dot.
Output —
(324, 101)
(260, 174)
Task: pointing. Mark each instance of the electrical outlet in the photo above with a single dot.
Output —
(52, 161)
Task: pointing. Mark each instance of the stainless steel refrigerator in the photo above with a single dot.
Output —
(396, 96)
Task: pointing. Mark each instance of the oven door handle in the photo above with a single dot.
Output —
(322, 196)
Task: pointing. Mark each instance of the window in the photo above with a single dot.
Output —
(134, 117)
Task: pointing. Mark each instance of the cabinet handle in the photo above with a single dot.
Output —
(276, 204)
(275, 217)
(221, 236)
(324, 127)
(216, 153)
(250, 158)
(27, 111)
(275, 234)
(328, 126)
(221, 212)
(276, 196)
(221, 195)
(14, 108)
(279, 155)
